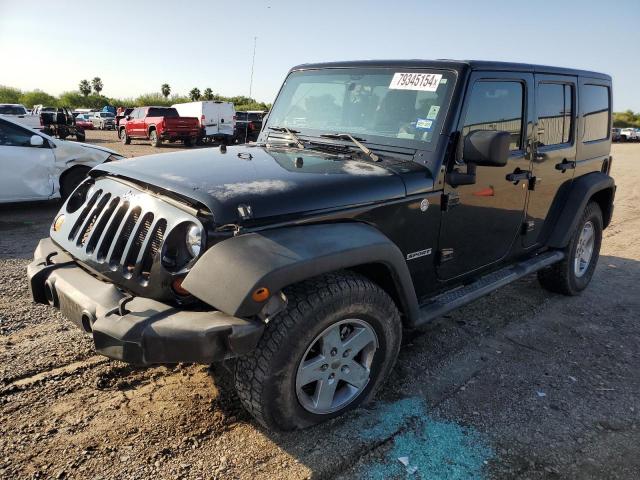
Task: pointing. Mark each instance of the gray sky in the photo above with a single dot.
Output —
(135, 46)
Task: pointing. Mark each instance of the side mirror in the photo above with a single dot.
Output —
(486, 148)
(36, 141)
(128, 117)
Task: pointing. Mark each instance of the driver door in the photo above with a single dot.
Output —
(27, 171)
(482, 220)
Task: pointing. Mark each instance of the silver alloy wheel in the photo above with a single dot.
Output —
(584, 249)
(336, 367)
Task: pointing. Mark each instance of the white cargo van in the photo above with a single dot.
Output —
(217, 119)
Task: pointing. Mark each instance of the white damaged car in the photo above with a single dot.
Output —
(35, 166)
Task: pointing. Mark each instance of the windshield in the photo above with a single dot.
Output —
(379, 103)
(12, 110)
(107, 115)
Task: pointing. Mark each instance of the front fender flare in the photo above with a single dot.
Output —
(230, 271)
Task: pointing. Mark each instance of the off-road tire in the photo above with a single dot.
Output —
(124, 138)
(265, 379)
(561, 277)
(70, 180)
(80, 136)
(155, 140)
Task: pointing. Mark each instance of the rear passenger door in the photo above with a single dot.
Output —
(554, 149)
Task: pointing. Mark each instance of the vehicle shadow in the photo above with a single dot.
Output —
(456, 378)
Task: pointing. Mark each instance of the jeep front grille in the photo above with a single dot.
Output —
(119, 231)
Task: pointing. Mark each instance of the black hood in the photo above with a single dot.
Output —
(272, 181)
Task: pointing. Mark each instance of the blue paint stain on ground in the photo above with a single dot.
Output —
(436, 449)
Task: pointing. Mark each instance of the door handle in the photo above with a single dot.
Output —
(565, 165)
(518, 175)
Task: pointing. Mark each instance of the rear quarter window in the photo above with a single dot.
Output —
(596, 112)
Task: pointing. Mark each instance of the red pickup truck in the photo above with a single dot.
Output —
(157, 124)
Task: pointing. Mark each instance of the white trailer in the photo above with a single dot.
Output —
(217, 119)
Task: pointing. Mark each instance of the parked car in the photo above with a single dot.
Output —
(37, 166)
(158, 124)
(58, 122)
(19, 113)
(83, 120)
(120, 115)
(629, 135)
(413, 192)
(104, 120)
(248, 126)
(216, 119)
(615, 134)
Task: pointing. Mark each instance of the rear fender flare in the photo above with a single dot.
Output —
(581, 191)
(229, 272)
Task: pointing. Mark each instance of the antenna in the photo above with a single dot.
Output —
(253, 61)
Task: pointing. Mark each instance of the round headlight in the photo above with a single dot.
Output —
(194, 240)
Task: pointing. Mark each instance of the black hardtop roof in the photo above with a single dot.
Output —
(457, 65)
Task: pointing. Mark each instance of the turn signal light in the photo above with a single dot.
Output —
(260, 295)
(178, 288)
(57, 223)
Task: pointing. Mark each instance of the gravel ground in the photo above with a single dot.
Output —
(522, 383)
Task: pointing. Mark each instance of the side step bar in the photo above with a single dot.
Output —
(448, 301)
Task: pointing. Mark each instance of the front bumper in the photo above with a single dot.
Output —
(135, 329)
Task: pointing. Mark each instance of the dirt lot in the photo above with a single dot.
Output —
(522, 384)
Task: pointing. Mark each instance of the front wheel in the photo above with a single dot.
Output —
(326, 353)
(574, 272)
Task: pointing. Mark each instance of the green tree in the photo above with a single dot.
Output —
(155, 99)
(38, 97)
(166, 90)
(9, 94)
(97, 85)
(194, 94)
(84, 87)
(73, 99)
(207, 94)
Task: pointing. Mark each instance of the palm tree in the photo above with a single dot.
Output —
(84, 87)
(207, 94)
(165, 89)
(97, 85)
(194, 94)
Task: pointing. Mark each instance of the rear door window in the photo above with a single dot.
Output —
(555, 110)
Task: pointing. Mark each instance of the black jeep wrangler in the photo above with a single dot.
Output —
(379, 196)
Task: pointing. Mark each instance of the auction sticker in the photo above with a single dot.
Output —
(427, 82)
(433, 112)
(424, 124)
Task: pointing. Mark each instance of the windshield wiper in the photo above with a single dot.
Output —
(355, 141)
(291, 133)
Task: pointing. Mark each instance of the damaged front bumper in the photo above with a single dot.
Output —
(135, 330)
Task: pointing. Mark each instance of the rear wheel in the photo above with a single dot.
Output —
(124, 138)
(80, 136)
(573, 274)
(327, 353)
(155, 140)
